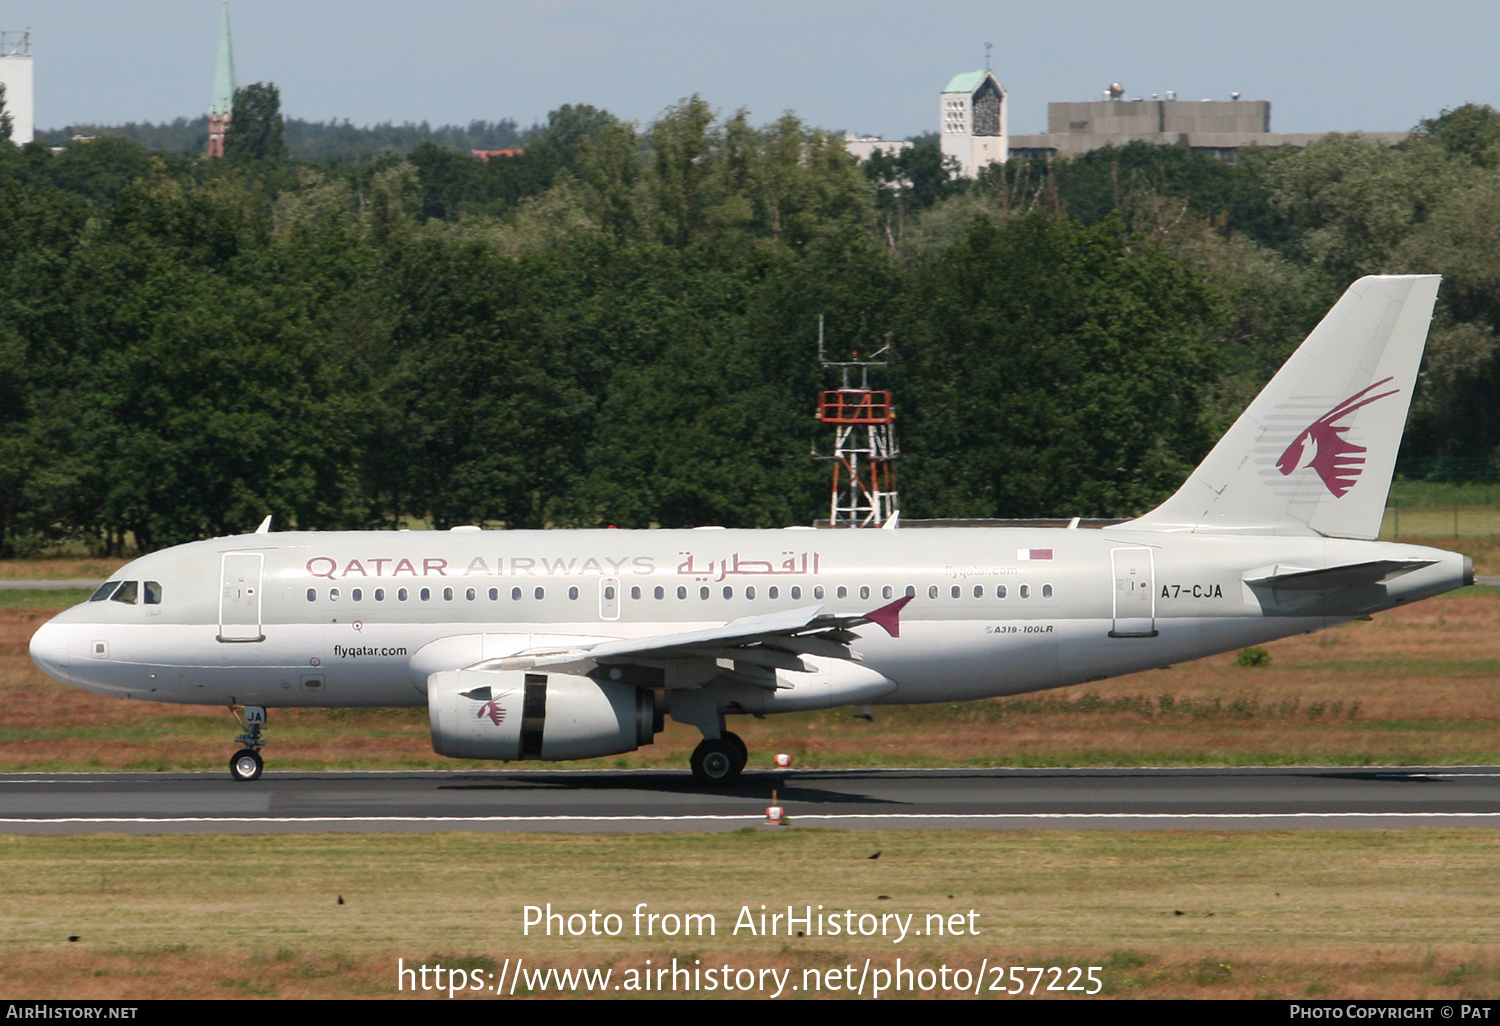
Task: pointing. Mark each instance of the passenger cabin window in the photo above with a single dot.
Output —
(660, 592)
(312, 594)
(932, 591)
(515, 594)
(817, 591)
(153, 593)
(105, 590)
(750, 591)
(1046, 591)
(1026, 591)
(128, 593)
(540, 593)
(682, 593)
(573, 592)
(401, 594)
(864, 591)
(796, 591)
(471, 594)
(379, 594)
(494, 594)
(357, 594)
(447, 594)
(911, 591)
(957, 591)
(426, 594)
(979, 591)
(635, 592)
(999, 591)
(843, 592)
(886, 592)
(773, 592)
(333, 594)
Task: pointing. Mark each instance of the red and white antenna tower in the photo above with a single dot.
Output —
(864, 442)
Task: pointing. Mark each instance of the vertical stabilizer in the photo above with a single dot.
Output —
(1314, 453)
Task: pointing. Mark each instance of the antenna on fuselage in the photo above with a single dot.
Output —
(265, 525)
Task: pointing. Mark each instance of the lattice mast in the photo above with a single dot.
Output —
(864, 441)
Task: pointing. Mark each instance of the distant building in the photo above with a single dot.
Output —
(483, 156)
(221, 107)
(863, 147)
(20, 93)
(973, 113)
(1218, 128)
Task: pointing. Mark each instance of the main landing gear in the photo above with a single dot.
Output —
(246, 764)
(717, 762)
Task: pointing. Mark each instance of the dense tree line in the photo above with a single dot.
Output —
(618, 328)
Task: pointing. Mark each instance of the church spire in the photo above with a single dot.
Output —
(222, 105)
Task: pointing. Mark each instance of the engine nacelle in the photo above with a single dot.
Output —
(479, 714)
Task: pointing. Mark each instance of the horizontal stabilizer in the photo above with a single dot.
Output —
(1352, 575)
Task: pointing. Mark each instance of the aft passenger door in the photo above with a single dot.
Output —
(240, 597)
(1135, 593)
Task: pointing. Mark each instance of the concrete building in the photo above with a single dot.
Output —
(1220, 128)
(863, 147)
(20, 92)
(973, 113)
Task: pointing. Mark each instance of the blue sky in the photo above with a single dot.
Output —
(874, 66)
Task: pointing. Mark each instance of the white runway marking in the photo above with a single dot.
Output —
(758, 817)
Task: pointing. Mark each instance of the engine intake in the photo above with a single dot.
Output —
(482, 714)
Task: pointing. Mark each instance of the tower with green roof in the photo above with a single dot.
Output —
(221, 107)
(973, 118)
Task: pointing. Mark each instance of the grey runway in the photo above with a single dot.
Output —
(656, 800)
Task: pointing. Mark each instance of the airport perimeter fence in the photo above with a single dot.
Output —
(1419, 508)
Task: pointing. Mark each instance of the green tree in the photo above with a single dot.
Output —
(7, 120)
(1053, 369)
(1471, 131)
(255, 127)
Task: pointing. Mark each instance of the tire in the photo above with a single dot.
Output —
(246, 765)
(716, 762)
(739, 743)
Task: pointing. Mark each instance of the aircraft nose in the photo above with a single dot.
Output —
(49, 650)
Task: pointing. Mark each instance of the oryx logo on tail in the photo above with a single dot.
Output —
(1323, 447)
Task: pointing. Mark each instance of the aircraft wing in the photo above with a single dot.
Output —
(750, 649)
(1350, 575)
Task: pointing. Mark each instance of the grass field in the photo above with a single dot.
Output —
(1346, 914)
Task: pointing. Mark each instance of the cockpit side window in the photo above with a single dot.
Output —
(128, 593)
(105, 591)
(153, 593)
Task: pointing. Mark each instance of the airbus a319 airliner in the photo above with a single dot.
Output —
(574, 644)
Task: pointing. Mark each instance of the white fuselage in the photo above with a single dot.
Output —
(364, 618)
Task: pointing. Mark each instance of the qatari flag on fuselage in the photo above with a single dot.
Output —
(1025, 554)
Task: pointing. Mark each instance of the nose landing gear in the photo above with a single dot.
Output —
(246, 764)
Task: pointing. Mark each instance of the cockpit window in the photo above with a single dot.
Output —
(153, 593)
(105, 590)
(128, 593)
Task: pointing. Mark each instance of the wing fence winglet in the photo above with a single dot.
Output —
(889, 616)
